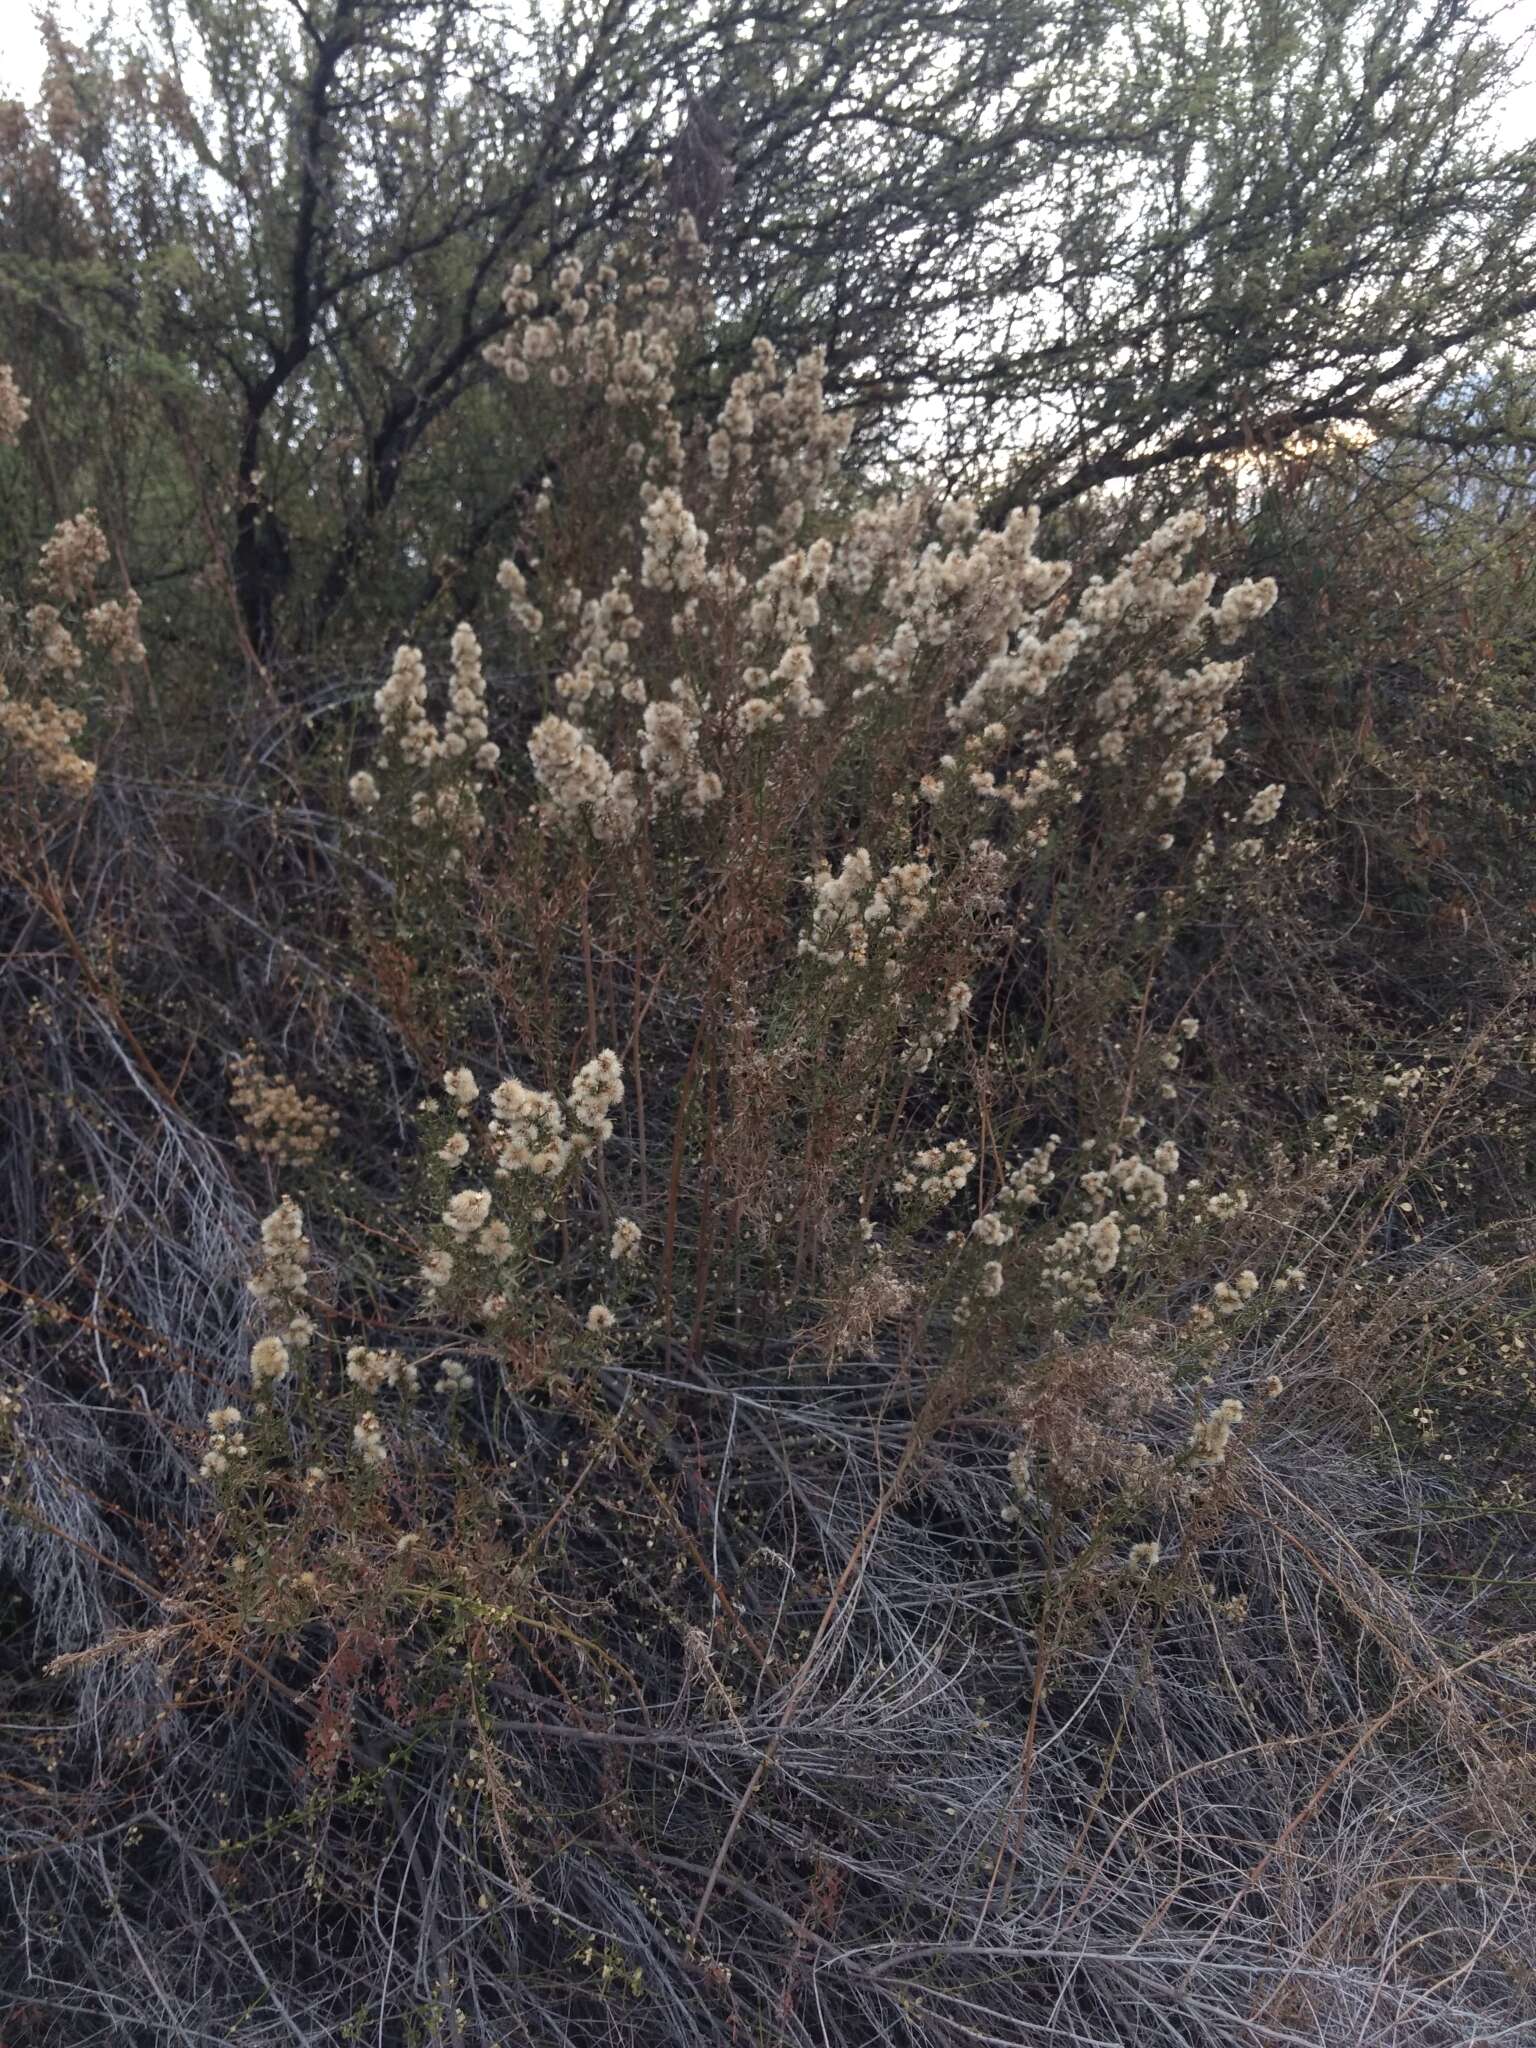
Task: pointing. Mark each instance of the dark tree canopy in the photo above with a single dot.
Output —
(1054, 243)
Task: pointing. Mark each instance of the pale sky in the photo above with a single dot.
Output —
(21, 56)
(21, 53)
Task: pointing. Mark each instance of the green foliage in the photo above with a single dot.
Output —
(1056, 246)
(785, 1299)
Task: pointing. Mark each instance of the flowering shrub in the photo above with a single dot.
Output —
(57, 639)
(41, 645)
(742, 1488)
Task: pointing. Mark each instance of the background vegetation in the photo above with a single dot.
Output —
(767, 1224)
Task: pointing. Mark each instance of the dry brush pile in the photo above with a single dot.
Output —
(671, 1374)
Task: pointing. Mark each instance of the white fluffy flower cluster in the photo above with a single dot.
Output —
(71, 556)
(467, 1211)
(54, 649)
(530, 1134)
(597, 1088)
(368, 1439)
(786, 599)
(401, 702)
(530, 1131)
(1211, 1434)
(286, 1254)
(803, 442)
(226, 1443)
(39, 733)
(437, 1270)
(464, 723)
(269, 1361)
(520, 608)
(1024, 1185)
(856, 906)
(1230, 1295)
(1037, 791)
(669, 753)
(113, 626)
(792, 673)
(859, 916)
(837, 932)
(528, 1126)
(1085, 1251)
(938, 1172)
(462, 743)
(990, 1229)
(1082, 1254)
(1148, 587)
(280, 1284)
(577, 780)
(943, 1022)
(1022, 669)
(1140, 1183)
(997, 596)
(620, 338)
(972, 591)
(777, 423)
(1189, 711)
(714, 546)
(371, 1370)
(14, 407)
(1242, 604)
(624, 338)
(43, 734)
(600, 661)
(675, 546)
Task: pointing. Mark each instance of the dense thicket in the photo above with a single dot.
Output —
(252, 255)
(765, 1227)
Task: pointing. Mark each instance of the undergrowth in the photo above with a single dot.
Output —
(726, 1314)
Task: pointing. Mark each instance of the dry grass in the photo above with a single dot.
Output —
(788, 1661)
